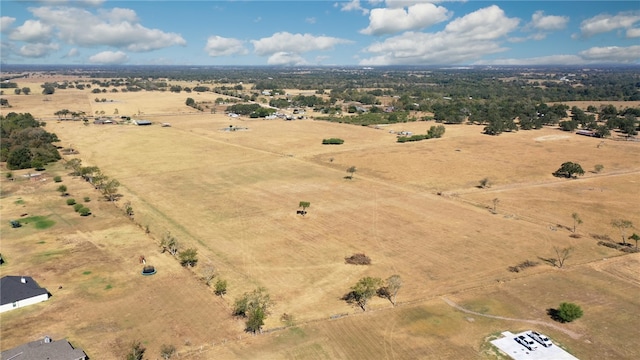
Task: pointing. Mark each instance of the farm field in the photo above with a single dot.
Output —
(414, 208)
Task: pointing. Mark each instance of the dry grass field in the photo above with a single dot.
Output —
(414, 208)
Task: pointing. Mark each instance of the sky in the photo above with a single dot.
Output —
(364, 33)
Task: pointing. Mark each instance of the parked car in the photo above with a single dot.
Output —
(529, 344)
(543, 340)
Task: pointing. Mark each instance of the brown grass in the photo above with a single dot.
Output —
(234, 196)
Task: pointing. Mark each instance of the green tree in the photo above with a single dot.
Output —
(57, 179)
(62, 189)
(635, 237)
(622, 225)
(19, 159)
(189, 257)
(220, 287)
(576, 221)
(568, 169)
(190, 102)
(363, 291)
(110, 189)
(75, 165)
(351, 170)
(84, 211)
(304, 205)
(567, 312)
(254, 307)
(26, 90)
(128, 209)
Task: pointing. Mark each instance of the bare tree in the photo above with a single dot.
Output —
(495, 201)
(169, 243)
(391, 288)
(351, 170)
(562, 255)
(622, 225)
(208, 273)
(576, 221)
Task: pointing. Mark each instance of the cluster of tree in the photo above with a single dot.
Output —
(254, 307)
(192, 103)
(370, 118)
(434, 132)
(178, 88)
(24, 90)
(24, 143)
(187, 257)
(64, 113)
(92, 174)
(332, 141)
(251, 110)
(367, 287)
(4, 102)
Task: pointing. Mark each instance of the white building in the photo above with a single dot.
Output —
(20, 291)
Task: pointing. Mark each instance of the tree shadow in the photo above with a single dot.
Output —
(554, 314)
(551, 261)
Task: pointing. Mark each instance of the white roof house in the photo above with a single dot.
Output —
(20, 291)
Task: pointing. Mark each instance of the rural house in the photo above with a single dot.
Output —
(20, 291)
(44, 349)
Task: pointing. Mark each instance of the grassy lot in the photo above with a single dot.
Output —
(233, 196)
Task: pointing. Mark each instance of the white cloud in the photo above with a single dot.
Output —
(37, 50)
(5, 23)
(633, 33)
(32, 31)
(393, 20)
(295, 43)
(604, 23)
(72, 53)
(109, 57)
(286, 58)
(612, 54)
(539, 21)
(310, 20)
(115, 27)
(464, 39)
(353, 5)
(220, 46)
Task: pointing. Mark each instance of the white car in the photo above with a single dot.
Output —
(543, 340)
(529, 344)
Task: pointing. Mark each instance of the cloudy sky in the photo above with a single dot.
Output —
(319, 32)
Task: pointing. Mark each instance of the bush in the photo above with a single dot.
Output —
(87, 199)
(71, 201)
(84, 211)
(523, 265)
(567, 312)
(332, 141)
(358, 259)
(57, 179)
(77, 207)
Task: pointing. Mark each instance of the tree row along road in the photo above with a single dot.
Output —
(536, 322)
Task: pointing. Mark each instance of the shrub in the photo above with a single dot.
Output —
(332, 141)
(523, 265)
(87, 199)
(567, 312)
(71, 201)
(77, 207)
(57, 179)
(358, 259)
(84, 211)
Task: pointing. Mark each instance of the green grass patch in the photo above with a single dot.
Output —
(108, 287)
(86, 272)
(40, 222)
(19, 202)
(41, 242)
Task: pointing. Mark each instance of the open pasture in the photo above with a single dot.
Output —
(233, 196)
